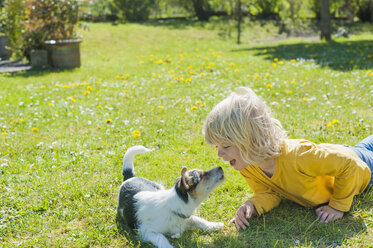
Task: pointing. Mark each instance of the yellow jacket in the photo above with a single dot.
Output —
(309, 175)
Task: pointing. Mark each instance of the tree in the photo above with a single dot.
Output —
(325, 20)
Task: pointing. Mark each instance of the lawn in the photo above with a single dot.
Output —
(63, 133)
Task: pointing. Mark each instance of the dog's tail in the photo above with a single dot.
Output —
(128, 169)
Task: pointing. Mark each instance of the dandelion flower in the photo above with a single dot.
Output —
(160, 107)
(269, 86)
(136, 134)
(293, 61)
(51, 104)
(275, 59)
(35, 129)
(193, 108)
(4, 133)
(98, 127)
(290, 92)
(108, 120)
(203, 105)
(329, 125)
(267, 75)
(335, 121)
(89, 88)
(236, 70)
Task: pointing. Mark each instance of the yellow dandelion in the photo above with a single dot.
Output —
(86, 92)
(127, 75)
(267, 75)
(211, 64)
(335, 121)
(329, 125)
(305, 99)
(21, 120)
(117, 77)
(89, 88)
(43, 87)
(248, 76)
(202, 105)
(256, 76)
(293, 60)
(51, 104)
(99, 107)
(280, 62)
(290, 92)
(275, 59)
(34, 129)
(136, 134)
(198, 102)
(4, 133)
(274, 64)
(98, 127)
(236, 70)
(193, 108)
(73, 100)
(108, 120)
(269, 86)
(233, 64)
(293, 82)
(160, 107)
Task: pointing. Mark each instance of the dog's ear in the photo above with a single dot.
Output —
(183, 178)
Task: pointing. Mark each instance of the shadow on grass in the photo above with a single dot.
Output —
(339, 56)
(286, 226)
(36, 72)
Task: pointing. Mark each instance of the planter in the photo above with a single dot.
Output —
(64, 54)
(4, 52)
(39, 58)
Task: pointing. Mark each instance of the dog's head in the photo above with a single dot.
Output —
(198, 184)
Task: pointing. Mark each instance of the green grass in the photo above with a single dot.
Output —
(63, 133)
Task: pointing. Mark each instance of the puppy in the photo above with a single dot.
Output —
(154, 211)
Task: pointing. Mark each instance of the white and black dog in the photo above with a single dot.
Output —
(154, 211)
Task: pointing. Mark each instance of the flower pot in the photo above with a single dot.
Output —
(64, 54)
(39, 58)
(4, 52)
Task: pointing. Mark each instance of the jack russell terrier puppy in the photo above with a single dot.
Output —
(155, 211)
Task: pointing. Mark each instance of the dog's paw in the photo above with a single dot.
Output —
(215, 226)
(175, 236)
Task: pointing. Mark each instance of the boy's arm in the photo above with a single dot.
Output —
(264, 199)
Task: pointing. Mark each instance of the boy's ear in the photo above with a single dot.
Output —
(183, 178)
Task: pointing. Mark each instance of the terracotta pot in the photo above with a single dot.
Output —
(64, 54)
(39, 58)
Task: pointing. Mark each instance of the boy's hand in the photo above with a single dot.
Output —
(246, 211)
(327, 214)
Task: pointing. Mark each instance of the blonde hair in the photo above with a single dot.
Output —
(243, 120)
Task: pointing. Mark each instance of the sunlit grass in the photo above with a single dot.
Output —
(63, 133)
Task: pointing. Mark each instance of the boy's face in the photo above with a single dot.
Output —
(231, 154)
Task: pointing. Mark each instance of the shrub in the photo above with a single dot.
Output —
(49, 20)
(13, 23)
(135, 10)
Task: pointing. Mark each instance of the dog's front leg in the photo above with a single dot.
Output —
(204, 224)
(157, 239)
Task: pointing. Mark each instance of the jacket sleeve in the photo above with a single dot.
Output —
(350, 174)
(264, 199)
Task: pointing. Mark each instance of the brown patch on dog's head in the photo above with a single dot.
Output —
(198, 184)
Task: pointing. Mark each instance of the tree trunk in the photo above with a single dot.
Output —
(325, 21)
(239, 20)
